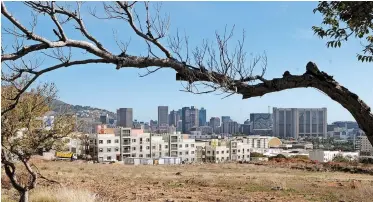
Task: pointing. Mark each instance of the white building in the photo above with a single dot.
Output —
(182, 146)
(104, 147)
(366, 147)
(326, 156)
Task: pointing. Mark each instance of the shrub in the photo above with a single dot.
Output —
(281, 156)
(301, 157)
(341, 159)
(255, 154)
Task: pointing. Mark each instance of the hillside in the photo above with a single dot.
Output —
(81, 111)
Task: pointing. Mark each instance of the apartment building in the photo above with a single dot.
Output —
(240, 150)
(104, 147)
(366, 148)
(217, 151)
(183, 147)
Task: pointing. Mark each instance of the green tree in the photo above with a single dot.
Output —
(23, 134)
(345, 19)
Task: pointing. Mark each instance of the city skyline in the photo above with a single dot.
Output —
(125, 88)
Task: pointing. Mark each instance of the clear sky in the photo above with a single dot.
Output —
(282, 29)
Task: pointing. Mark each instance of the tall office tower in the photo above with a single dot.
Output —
(163, 116)
(172, 118)
(202, 117)
(225, 119)
(194, 117)
(124, 117)
(215, 124)
(299, 122)
(185, 117)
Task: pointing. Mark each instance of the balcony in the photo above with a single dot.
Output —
(125, 142)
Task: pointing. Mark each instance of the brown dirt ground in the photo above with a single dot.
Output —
(206, 182)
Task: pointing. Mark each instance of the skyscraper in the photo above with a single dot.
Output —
(194, 117)
(162, 115)
(225, 119)
(261, 123)
(202, 117)
(185, 117)
(104, 119)
(215, 124)
(299, 122)
(172, 118)
(125, 117)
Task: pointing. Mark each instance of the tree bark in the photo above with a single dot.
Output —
(311, 78)
(24, 196)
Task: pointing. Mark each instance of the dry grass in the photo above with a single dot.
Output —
(209, 182)
(62, 195)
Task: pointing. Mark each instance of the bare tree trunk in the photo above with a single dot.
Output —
(24, 196)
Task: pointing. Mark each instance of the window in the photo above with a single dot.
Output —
(101, 150)
(91, 149)
(192, 159)
(108, 141)
(116, 149)
(222, 152)
(208, 152)
(116, 141)
(192, 145)
(108, 158)
(160, 154)
(248, 150)
(180, 145)
(248, 156)
(133, 148)
(222, 158)
(148, 155)
(140, 140)
(153, 147)
(227, 151)
(140, 155)
(166, 146)
(186, 145)
(140, 148)
(147, 140)
(91, 141)
(147, 147)
(108, 149)
(192, 152)
(133, 155)
(258, 143)
(217, 152)
(100, 142)
(186, 153)
(134, 140)
(238, 150)
(180, 153)
(239, 157)
(217, 159)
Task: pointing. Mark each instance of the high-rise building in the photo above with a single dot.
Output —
(225, 119)
(162, 115)
(194, 117)
(202, 117)
(172, 118)
(261, 123)
(190, 119)
(125, 117)
(299, 122)
(104, 119)
(215, 124)
(186, 122)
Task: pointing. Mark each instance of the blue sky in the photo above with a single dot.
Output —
(281, 29)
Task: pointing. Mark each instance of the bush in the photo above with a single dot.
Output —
(255, 154)
(281, 156)
(301, 157)
(341, 159)
(366, 160)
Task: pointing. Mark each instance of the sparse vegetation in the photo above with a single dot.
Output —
(207, 182)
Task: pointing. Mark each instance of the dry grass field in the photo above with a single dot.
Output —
(207, 182)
